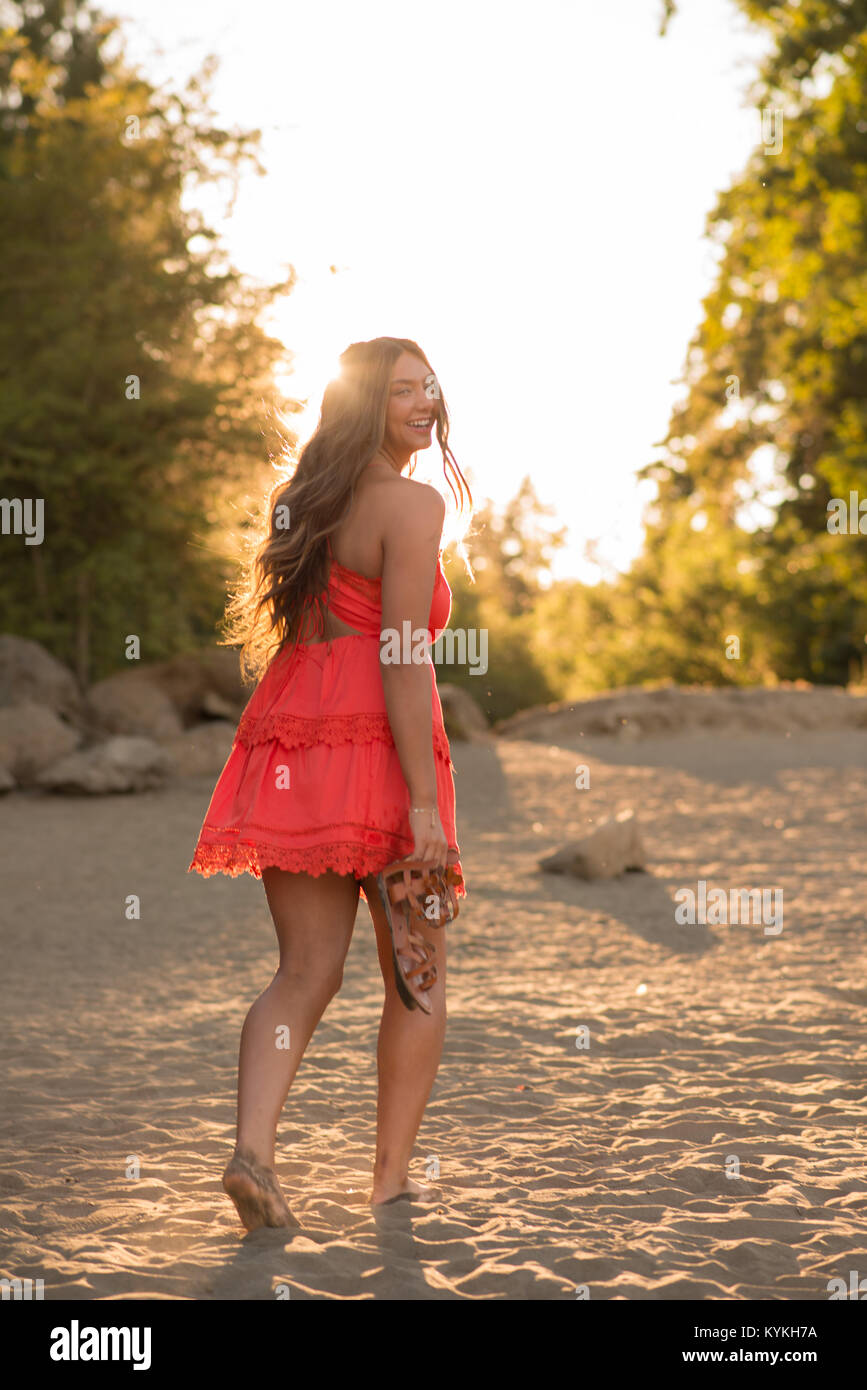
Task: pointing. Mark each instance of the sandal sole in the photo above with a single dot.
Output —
(407, 998)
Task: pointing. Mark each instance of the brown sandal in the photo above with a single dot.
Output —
(412, 893)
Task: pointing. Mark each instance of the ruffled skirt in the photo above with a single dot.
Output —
(313, 781)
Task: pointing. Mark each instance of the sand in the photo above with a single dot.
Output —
(602, 1168)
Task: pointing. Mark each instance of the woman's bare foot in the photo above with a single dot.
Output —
(407, 1191)
(256, 1192)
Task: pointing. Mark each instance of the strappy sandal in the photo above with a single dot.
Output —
(413, 893)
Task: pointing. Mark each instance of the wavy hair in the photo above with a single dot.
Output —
(285, 573)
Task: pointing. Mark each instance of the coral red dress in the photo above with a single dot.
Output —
(314, 781)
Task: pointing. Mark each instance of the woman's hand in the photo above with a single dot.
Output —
(431, 845)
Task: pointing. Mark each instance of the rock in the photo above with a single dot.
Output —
(118, 765)
(7, 781)
(203, 684)
(613, 847)
(161, 700)
(215, 707)
(31, 738)
(130, 703)
(636, 712)
(461, 715)
(628, 731)
(203, 749)
(29, 674)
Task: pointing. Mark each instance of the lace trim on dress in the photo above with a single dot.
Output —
(300, 731)
(344, 857)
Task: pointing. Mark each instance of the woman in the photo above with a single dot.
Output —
(341, 763)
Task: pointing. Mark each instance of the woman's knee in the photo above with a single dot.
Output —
(315, 976)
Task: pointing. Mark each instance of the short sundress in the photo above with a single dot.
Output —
(313, 781)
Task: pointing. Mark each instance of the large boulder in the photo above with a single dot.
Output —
(118, 765)
(613, 847)
(28, 673)
(131, 703)
(214, 707)
(202, 750)
(203, 685)
(31, 738)
(635, 712)
(462, 717)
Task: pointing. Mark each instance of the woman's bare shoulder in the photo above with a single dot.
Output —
(388, 512)
(409, 498)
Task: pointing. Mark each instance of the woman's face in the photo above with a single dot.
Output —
(413, 406)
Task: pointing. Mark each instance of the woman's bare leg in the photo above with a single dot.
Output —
(408, 1057)
(313, 919)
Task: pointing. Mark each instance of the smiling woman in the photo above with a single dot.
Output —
(341, 764)
(375, 402)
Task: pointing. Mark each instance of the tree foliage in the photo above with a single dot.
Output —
(740, 580)
(137, 397)
(132, 369)
(774, 422)
(511, 550)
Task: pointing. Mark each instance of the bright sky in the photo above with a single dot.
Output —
(520, 188)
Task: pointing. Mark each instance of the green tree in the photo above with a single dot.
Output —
(774, 422)
(136, 387)
(511, 551)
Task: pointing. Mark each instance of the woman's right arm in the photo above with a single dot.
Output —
(411, 536)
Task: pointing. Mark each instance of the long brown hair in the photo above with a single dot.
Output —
(286, 571)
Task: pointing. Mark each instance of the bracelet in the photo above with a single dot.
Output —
(432, 809)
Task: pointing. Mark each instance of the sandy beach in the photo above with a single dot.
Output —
(709, 1143)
